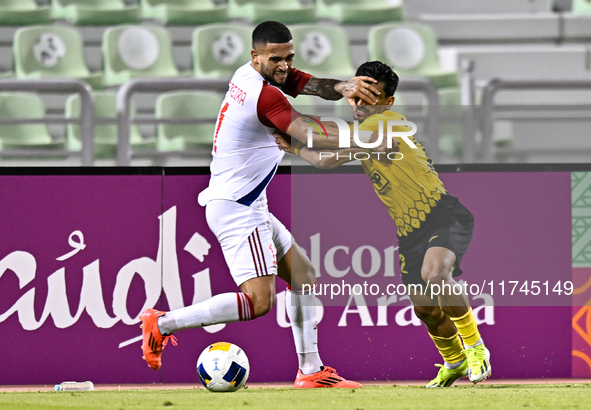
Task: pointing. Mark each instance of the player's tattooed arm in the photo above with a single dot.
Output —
(356, 87)
(359, 87)
(323, 88)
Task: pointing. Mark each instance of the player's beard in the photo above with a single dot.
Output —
(270, 77)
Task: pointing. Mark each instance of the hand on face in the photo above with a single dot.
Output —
(359, 87)
(362, 110)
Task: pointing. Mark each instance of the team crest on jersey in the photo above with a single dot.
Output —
(381, 184)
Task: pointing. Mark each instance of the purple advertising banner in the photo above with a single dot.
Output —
(82, 256)
(520, 253)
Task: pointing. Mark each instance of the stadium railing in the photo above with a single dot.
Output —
(154, 85)
(86, 119)
(126, 92)
(488, 115)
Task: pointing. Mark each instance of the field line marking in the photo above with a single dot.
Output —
(130, 341)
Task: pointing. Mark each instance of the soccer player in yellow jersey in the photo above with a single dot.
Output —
(434, 231)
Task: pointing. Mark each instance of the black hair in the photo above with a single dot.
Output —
(270, 32)
(380, 72)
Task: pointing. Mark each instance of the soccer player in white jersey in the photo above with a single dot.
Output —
(256, 246)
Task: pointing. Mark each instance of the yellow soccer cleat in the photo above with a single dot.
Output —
(478, 358)
(447, 377)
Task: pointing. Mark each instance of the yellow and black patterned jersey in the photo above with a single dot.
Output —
(410, 187)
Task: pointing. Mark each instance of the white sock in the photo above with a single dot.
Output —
(301, 311)
(478, 343)
(223, 308)
(453, 366)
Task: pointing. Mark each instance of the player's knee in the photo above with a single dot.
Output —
(437, 273)
(306, 275)
(263, 303)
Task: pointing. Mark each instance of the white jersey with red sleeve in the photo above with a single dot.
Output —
(245, 155)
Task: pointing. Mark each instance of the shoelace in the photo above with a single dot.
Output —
(331, 370)
(173, 340)
(471, 357)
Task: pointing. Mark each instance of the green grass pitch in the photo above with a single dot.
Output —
(369, 397)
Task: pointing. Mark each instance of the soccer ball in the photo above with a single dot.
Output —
(223, 367)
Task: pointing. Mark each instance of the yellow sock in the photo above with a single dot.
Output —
(467, 328)
(451, 348)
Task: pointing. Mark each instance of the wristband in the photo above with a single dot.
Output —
(297, 147)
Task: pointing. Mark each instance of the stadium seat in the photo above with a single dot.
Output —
(25, 136)
(23, 12)
(323, 51)
(94, 12)
(181, 137)
(51, 51)
(285, 11)
(219, 49)
(173, 137)
(137, 51)
(581, 6)
(360, 12)
(105, 135)
(416, 9)
(184, 12)
(412, 51)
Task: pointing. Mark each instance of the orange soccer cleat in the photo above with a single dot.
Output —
(327, 377)
(153, 341)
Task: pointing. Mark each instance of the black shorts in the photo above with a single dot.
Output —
(449, 226)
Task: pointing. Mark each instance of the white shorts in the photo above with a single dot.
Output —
(252, 239)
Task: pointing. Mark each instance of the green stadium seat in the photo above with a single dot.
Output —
(360, 12)
(411, 49)
(581, 6)
(94, 12)
(322, 51)
(173, 137)
(184, 12)
(105, 135)
(285, 11)
(25, 136)
(219, 49)
(51, 51)
(23, 12)
(136, 52)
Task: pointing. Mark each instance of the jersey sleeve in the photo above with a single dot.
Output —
(274, 110)
(295, 82)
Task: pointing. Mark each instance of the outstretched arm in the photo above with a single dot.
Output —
(330, 89)
(325, 159)
(327, 135)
